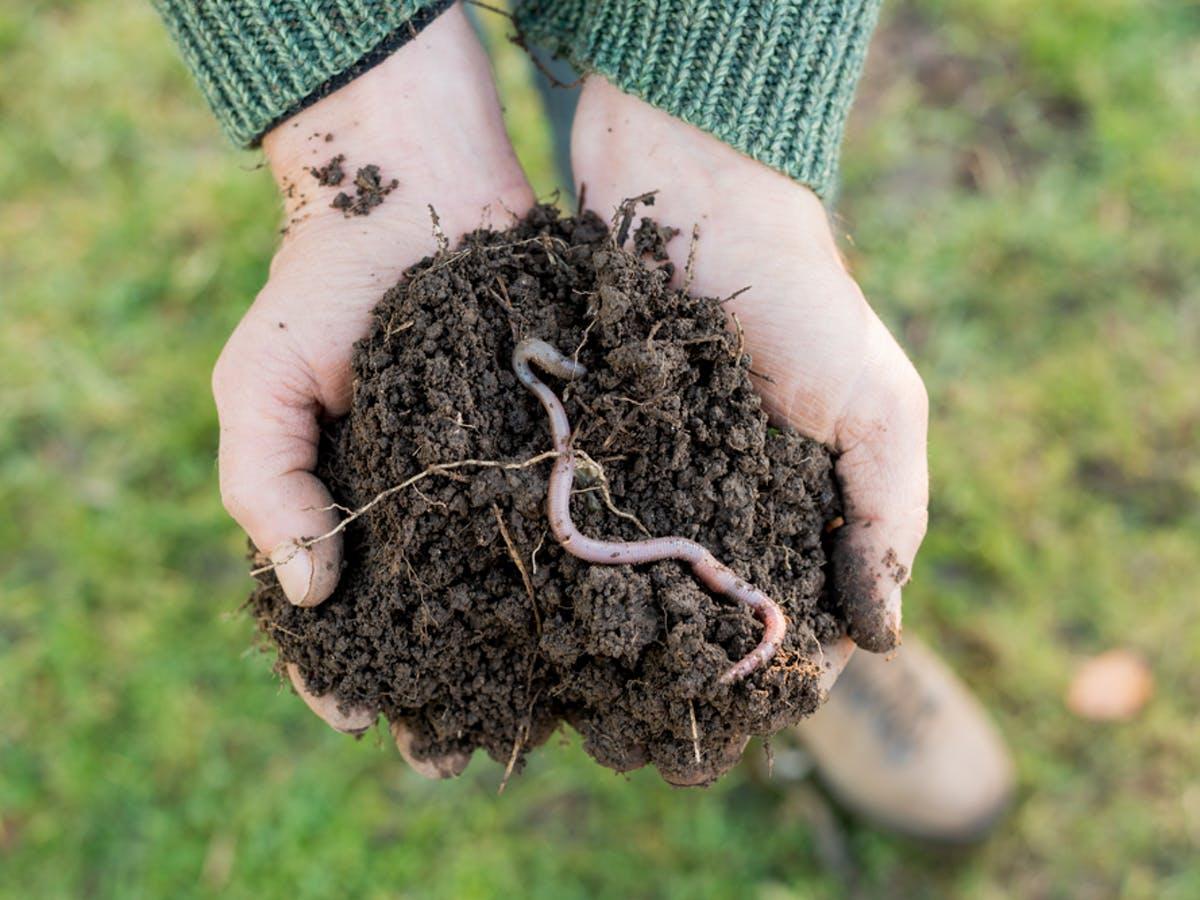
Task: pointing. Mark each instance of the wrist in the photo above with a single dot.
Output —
(427, 116)
(625, 146)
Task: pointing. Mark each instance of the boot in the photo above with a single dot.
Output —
(904, 745)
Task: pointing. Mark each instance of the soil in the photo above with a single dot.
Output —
(435, 624)
(369, 188)
(331, 174)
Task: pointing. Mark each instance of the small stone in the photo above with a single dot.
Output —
(1111, 687)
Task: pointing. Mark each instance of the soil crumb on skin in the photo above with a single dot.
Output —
(369, 191)
(435, 624)
(331, 174)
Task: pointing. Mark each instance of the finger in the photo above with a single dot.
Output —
(881, 440)
(352, 721)
(269, 438)
(714, 762)
(435, 768)
(834, 658)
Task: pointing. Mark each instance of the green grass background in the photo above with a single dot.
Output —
(1021, 187)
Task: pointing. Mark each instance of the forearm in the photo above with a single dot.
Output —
(771, 78)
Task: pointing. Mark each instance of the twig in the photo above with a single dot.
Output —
(273, 624)
(695, 732)
(412, 573)
(390, 331)
(435, 469)
(518, 39)
(734, 295)
(689, 270)
(518, 743)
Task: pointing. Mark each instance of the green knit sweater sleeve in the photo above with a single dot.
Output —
(260, 61)
(772, 78)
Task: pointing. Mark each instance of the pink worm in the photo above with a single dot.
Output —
(712, 573)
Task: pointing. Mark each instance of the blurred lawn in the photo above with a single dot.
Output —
(1022, 183)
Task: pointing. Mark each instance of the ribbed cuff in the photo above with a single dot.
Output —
(259, 62)
(771, 78)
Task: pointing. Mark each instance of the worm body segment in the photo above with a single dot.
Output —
(711, 572)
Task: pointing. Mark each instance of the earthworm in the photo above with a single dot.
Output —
(711, 572)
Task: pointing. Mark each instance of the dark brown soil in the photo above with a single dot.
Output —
(369, 189)
(433, 623)
(331, 174)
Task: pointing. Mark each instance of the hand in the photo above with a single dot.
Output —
(833, 371)
(428, 116)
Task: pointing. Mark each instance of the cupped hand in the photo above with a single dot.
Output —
(830, 367)
(429, 118)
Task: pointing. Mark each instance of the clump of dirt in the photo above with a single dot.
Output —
(331, 174)
(369, 190)
(436, 623)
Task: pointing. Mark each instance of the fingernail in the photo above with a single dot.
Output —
(294, 569)
(436, 768)
(355, 720)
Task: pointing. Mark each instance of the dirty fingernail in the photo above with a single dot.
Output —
(352, 721)
(294, 569)
(435, 768)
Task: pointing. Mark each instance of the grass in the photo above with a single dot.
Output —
(1019, 199)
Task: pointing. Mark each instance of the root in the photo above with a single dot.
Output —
(432, 501)
(435, 469)
(650, 337)
(735, 295)
(523, 732)
(270, 623)
(512, 760)
(516, 558)
(583, 340)
(593, 468)
(741, 336)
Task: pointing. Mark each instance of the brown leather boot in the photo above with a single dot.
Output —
(903, 744)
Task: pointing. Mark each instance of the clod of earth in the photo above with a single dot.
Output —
(369, 190)
(715, 575)
(331, 174)
(460, 616)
